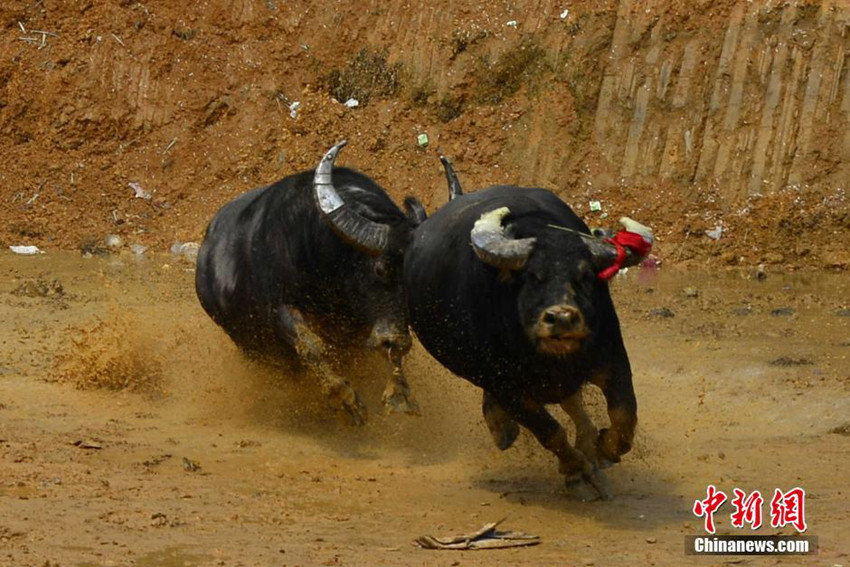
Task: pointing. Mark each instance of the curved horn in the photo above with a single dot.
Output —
(454, 185)
(362, 233)
(493, 247)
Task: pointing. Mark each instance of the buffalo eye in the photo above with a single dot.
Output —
(380, 271)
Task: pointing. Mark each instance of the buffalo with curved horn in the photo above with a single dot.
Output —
(310, 267)
(506, 289)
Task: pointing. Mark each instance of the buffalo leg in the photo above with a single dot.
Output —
(586, 433)
(502, 426)
(572, 463)
(616, 385)
(396, 395)
(313, 352)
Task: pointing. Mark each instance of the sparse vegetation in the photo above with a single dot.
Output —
(366, 75)
(418, 95)
(464, 39)
(504, 77)
(448, 108)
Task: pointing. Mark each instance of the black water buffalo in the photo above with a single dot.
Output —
(310, 266)
(503, 289)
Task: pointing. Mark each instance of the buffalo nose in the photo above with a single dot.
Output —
(561, 319)
(400, 343)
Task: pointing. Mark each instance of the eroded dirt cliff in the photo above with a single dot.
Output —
(686, 115)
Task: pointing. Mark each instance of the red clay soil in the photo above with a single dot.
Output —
(192, 103)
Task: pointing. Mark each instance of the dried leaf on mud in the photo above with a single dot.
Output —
(485, 538)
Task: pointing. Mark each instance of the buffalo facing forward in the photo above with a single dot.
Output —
(311, 265)
(503, 290)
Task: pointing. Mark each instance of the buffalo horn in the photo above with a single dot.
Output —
(454, 185)
(493, 247)
(604, 254)
(358, 231)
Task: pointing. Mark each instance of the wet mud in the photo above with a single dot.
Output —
(132, 432)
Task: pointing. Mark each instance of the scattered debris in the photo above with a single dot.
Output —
(782, 311)
(186, 250)
(422, 140)
(564, 14)
(113, 241)
(595, 206)
(842, 429)
(169, 146)
(352, 103)
(140, 193)
(789, 361)
(774, 258)
(157, 460)
(91, 246)
(293, 109)
(715, 233)
(485, 538)
(39, 287)
(742, 311)
(662, 313)
(87, 444)
(190, 466)
(512, 24)
(26, 250)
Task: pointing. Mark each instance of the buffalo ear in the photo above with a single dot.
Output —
(415, 210)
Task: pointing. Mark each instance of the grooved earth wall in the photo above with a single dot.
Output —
(686, 115)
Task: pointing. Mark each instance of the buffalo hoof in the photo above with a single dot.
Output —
(589, 487)
(579, 489)
(399, 402)
(606, 449)
(505, 434)
(356, 412)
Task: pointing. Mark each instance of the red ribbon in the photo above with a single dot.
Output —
(636, 244)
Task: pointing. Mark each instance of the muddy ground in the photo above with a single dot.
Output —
(132, 432)
(204, 459)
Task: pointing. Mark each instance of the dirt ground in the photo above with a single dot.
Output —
(132, 432)
(202, 459)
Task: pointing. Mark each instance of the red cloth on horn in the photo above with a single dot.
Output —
(637, 245)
